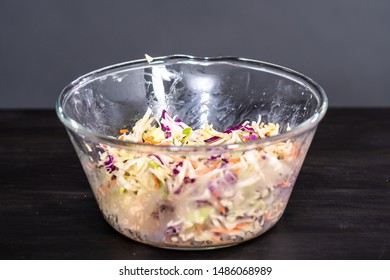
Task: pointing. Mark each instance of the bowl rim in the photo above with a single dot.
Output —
(309, 124)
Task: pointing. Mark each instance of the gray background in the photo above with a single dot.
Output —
(343, 45)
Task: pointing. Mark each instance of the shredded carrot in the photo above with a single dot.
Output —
(237, 170)
(221, 207)
(198, 228)
(234, 160)
(194, 164)
(177, 159)
(269, 216)
(246, 139)
(103, 190)
(284, 184)
(123, 131)
(279, 144)
(294, 150)
(150, 141)
(90, 166)
(201, 172)
(224, 230)
(121, 137)
(205, 170)
(156, 183)
(215, 238)
(235, 229)
(243, 225)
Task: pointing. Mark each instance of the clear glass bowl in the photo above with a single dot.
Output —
(215, 211)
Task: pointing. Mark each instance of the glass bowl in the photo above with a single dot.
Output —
(246, 191)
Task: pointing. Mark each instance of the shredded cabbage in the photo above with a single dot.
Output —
(194, 199)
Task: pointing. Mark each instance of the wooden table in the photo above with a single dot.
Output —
(339, 209)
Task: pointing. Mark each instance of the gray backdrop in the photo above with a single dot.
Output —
(342, 44)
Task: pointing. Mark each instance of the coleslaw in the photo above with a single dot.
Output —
(195, 200)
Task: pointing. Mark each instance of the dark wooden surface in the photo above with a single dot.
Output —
(339, 209)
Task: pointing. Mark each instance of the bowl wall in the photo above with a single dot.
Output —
(248, 189)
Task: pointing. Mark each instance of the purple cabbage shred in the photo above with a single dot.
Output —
(203, 202)
(165, 127)
(248, 128)
(211, 188)
(212, 139)
(230, 178)
(175, 171)
(178, 190)
(163, 114)
(188, 180)
(237, 127)
(157, 157)
(170, 230)
(213, 157)
(251, 137)
(109, 164)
